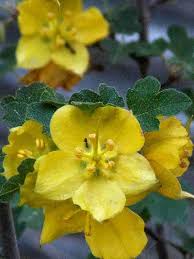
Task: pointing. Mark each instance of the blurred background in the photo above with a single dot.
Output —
(136, 47)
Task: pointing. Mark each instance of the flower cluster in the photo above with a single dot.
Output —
(55, 36)
(92, 168)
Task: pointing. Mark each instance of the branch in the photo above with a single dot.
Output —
(151, 233)
(7, 233)
(144, 18)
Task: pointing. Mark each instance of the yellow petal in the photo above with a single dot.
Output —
(32, 52)
(74, 57)
(67, 6)
(58, 175)
(101, 197)
(28, 196)
(170, 185)
(61, 218)
(24, 138)
(128, 138)
(121, 237)
(131, 200)
(34, 13)
(75, 127)
(107, 121)
(134, 174)
(91, 26)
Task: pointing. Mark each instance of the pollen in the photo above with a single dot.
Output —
(40, 143)
(110, 145)
(79, 152)
(24, 153)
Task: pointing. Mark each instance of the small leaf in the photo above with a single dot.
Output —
(36, 101)
(147, 102)
(88, 100)
(109, 96)
(124, 19)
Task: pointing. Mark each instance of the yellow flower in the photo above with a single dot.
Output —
(58, 31)
(121, 237)
(168, 151)
(126, 230)
(26, 141)
(97, 164)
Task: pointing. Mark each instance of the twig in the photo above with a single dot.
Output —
(161, 246)
(159, 239)
(7, 233)
(144, 18)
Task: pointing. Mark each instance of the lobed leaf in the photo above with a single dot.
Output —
(147, 102)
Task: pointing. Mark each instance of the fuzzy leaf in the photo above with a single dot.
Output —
(147, 102)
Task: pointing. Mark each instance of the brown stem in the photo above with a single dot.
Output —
(161, 245)
(157, 238)
(144, 18)
(7, 233)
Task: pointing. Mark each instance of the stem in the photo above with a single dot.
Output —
(144, 18)
(7, 232)
(161, 246)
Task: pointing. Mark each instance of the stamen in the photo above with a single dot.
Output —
(60, 42)
(50, 15)
(92, 137)
(183, 164)
(40, 143)
(110, 145)
(22, 153)
(91, 168)
(79, 152)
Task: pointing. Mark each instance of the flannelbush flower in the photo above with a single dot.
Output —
(26, 141)
(97, 164)
(168, 151)
(58, 32)
(64, 217)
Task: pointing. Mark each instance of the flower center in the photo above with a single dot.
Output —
(59, 31)
(26, 153)
(97, 158)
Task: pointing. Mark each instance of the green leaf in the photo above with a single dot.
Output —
(190, 93)
(109, 96)
(124, 19)
(116, 51)
(182, 47)
(147, 102)
(90, 256)
(163, 209)
(9, 187)
(147, 49)
(88, 100)
(36, 101)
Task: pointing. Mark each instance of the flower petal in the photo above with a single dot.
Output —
(134, 174)
(170, 185)
(34, 13)
(70, 126)
(58, 176)
(74, 57)
(75, 6)
(121, 237)
(28, 196)
(91, 26)
(61, 218)
(101, 197)
(121, 126)
(33, 52)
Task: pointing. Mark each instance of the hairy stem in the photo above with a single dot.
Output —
(144, 18)
(7, 233)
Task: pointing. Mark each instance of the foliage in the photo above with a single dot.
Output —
(37, 102)
(7, 59)
(147, 102)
